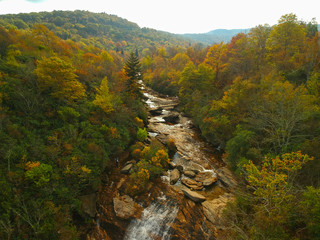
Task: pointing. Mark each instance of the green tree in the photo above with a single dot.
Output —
(311, 209)
(279, 114)
(238, 146)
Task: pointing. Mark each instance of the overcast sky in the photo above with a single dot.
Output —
(180, 16)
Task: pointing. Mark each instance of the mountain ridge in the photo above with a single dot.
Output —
(216, 35)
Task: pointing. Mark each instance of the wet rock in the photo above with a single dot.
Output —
(126, 169)
(172, 118)
(194, 196)
(209, 181)
(88, 204)
(189, 173)
(193, 185)
(213, 209)
(125, 207)
(174, 176)
(156, 111)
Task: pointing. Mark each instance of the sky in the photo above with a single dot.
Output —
(180, 16)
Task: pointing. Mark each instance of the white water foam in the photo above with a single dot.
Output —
(155, 222)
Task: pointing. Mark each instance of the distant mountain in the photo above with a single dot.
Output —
(101, 29)
(216, 36)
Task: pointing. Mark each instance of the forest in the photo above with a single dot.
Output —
(69, 106)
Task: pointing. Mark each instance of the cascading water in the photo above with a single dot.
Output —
(155, 222)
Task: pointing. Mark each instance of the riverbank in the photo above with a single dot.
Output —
(191, 219)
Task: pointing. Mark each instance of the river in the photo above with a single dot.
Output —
(193, 153)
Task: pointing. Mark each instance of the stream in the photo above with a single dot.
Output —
(185, 203)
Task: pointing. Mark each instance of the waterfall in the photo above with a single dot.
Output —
(155, 222)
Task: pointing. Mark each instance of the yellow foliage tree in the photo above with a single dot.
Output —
(58, 77)
(286, 44)
(104, 98)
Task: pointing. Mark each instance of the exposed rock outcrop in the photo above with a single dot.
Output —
(213, 209)
(125, 207)
(226, 177)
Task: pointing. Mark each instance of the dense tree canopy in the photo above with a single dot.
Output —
(70, 102)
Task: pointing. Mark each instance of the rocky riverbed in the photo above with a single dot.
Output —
(186, 203)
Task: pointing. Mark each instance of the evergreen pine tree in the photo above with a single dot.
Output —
(132, 70)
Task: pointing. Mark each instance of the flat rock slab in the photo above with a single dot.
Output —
(194, 196)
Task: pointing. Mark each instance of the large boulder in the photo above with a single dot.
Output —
(174, 176)
(126, 169)
(88, 204)
(125, 207)
(209, 181)
(213, 209)
(193, 185)
(194, 196)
